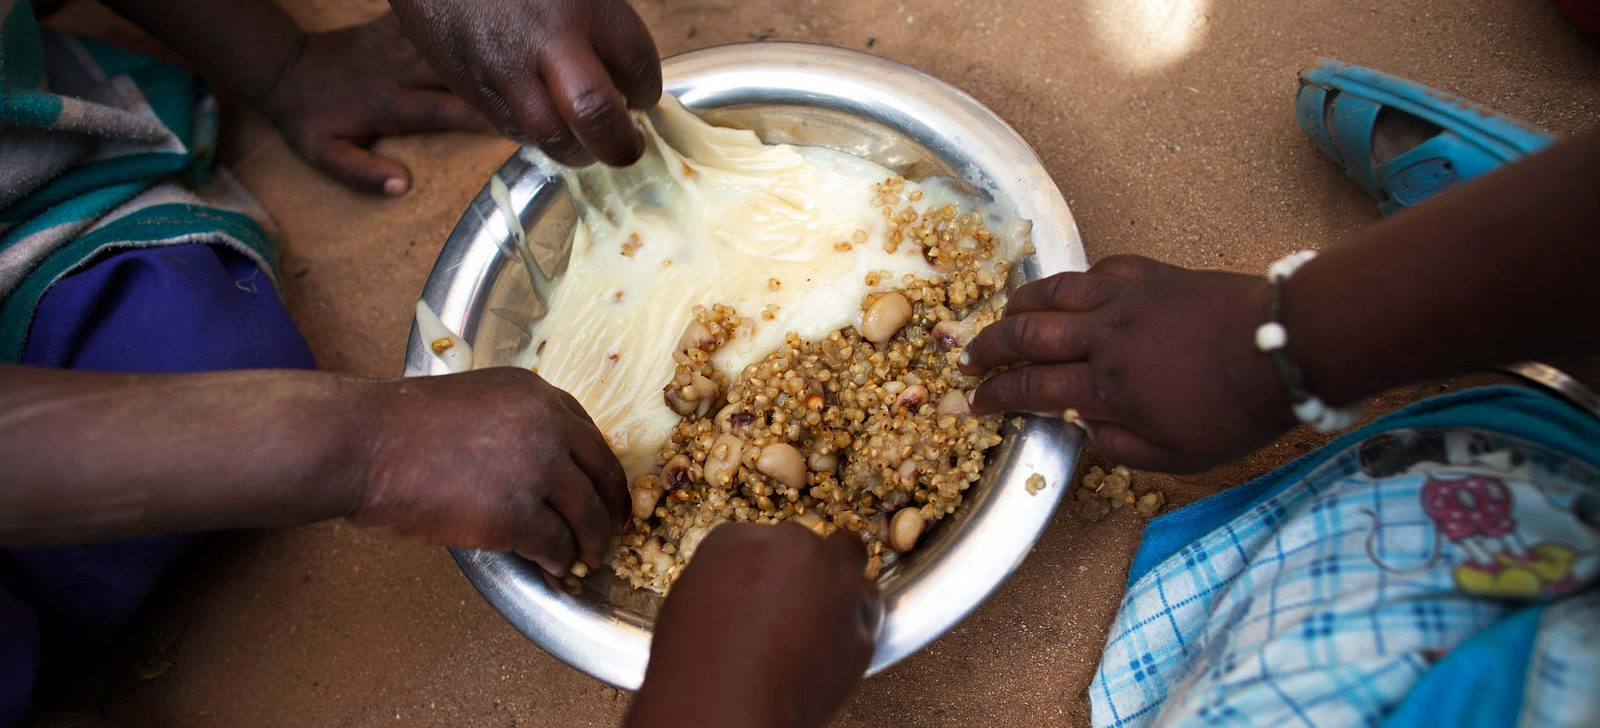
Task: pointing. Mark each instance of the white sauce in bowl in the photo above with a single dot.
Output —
(710, 215)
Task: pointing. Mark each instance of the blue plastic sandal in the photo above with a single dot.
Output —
(1472, 140)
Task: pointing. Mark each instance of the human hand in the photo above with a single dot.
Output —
(493, 459)
(1158, 361)
(346, 88)
(561, 74)
(768, 626)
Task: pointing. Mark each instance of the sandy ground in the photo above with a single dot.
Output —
(1166, 122)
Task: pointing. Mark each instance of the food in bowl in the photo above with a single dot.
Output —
(769, 332)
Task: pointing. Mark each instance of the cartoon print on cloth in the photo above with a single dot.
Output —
(1485, 500)
(1324, 592)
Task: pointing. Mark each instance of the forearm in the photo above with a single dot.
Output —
(1501, 270)
(92, 456)
(242, 46)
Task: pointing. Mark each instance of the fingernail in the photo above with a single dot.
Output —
(972, 395)
(394, 186)
(966, 359)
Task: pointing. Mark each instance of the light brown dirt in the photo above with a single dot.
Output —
(1197, 163)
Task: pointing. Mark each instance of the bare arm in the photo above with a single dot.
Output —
(1504, 269)
(494, 459)
(242, 46)
(1159, 360)
(95, 456)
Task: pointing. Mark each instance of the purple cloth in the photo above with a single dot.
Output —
(182, 308)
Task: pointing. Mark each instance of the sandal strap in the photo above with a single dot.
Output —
(1354, 119)
(1431, 166)
(1311, 110)
(1497, 134)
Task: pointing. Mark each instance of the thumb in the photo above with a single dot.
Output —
(1122, 445)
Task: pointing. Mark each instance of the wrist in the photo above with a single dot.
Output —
(1340, 344)
(1250, 377)
(275, 97)
(355, 405)
(1272, 338)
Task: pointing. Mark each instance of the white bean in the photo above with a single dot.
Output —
(809, 519)
(906, 528)
(884, 318)
(696, 336)
(676, 473)
(783, 463)
(646, 491)
(722, 462)
(954, 402)
(952, 334)
(913, 397)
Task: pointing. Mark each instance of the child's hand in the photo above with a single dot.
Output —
(769, 625)
(1159, 362)
(345, 88)
(560, 74)
(493, 459)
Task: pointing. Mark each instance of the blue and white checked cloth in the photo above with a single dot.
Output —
(1438, 567)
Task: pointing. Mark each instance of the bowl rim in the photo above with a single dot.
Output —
(927, 603)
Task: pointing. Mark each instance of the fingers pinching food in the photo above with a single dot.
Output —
(558, 74)
(1042, 336)
(1044, 389)
(1062, 292)
(1158, 361)
(589, 101)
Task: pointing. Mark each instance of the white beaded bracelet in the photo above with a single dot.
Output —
(1272, 338)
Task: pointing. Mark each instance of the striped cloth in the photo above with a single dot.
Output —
(103, 149)
(1438, 567)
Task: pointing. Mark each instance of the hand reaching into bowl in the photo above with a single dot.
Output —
(1155, 358)
(768, 626)
(1160, 362)
(560, 74)
(494, 459)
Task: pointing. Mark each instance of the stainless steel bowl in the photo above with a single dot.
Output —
(801, 94)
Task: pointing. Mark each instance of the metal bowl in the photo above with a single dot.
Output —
(801, 94)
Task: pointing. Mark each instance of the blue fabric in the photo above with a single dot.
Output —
(1477, 685)
(1458, 536)
(184, 308)
(1515, 411)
